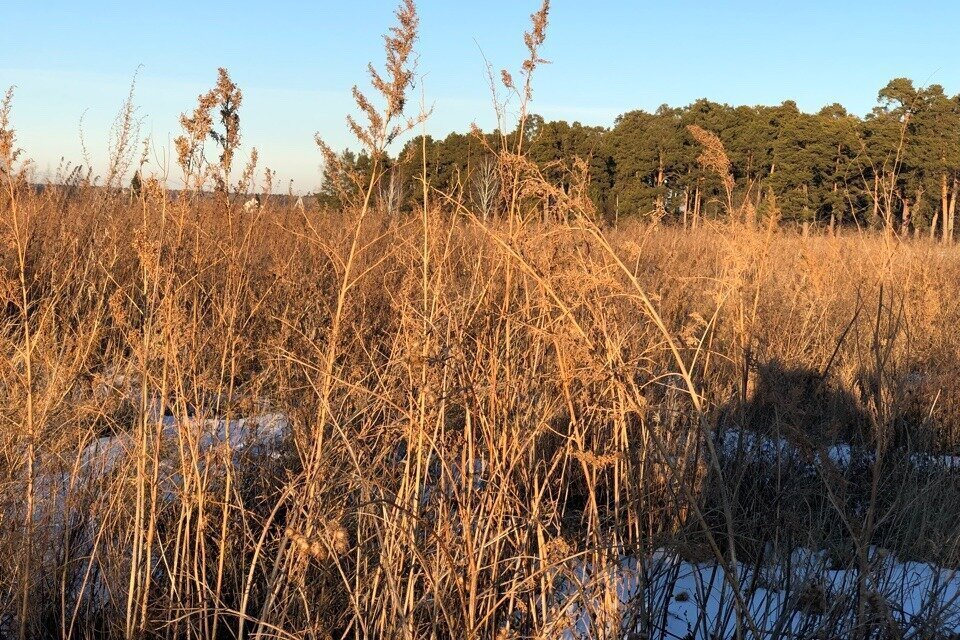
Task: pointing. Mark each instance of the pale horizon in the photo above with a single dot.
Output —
(297, 64)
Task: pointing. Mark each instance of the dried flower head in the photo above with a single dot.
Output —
(226, 97)
(533, 40)
(328, 541)
(537, 35)
(713, 157)
(246, 178)
(382, 128)
(8, 150)
(556, 551)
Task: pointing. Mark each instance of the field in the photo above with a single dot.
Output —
(457, 416)
(307, 421)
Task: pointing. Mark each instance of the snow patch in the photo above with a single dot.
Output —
(664, 597)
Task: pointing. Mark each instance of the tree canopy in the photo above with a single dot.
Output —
(898, 165)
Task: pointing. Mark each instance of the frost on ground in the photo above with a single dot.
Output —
(665, 597)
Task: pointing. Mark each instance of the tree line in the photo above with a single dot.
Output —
(898, 166)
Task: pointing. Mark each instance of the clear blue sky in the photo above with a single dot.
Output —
(296, 62)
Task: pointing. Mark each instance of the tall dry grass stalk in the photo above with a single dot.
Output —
(713, 158)
(301, 423)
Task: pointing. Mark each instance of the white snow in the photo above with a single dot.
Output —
(753, 447)
(664, 597)
(66, 492)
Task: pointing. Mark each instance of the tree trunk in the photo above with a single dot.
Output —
(918, 201)
(905, 217)
(661, 209)
(696, 207)
(876, 197)
(944, 206)
(951, 210)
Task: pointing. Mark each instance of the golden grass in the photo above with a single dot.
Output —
(475, 406)
(494, 393)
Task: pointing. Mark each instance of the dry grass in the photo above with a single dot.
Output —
(480, 411)
(475, 406)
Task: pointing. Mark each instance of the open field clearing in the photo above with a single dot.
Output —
(315, 423)
(442, 399)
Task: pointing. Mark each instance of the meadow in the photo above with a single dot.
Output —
(288, 421)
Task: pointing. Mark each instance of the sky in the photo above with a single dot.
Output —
(296, 62)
